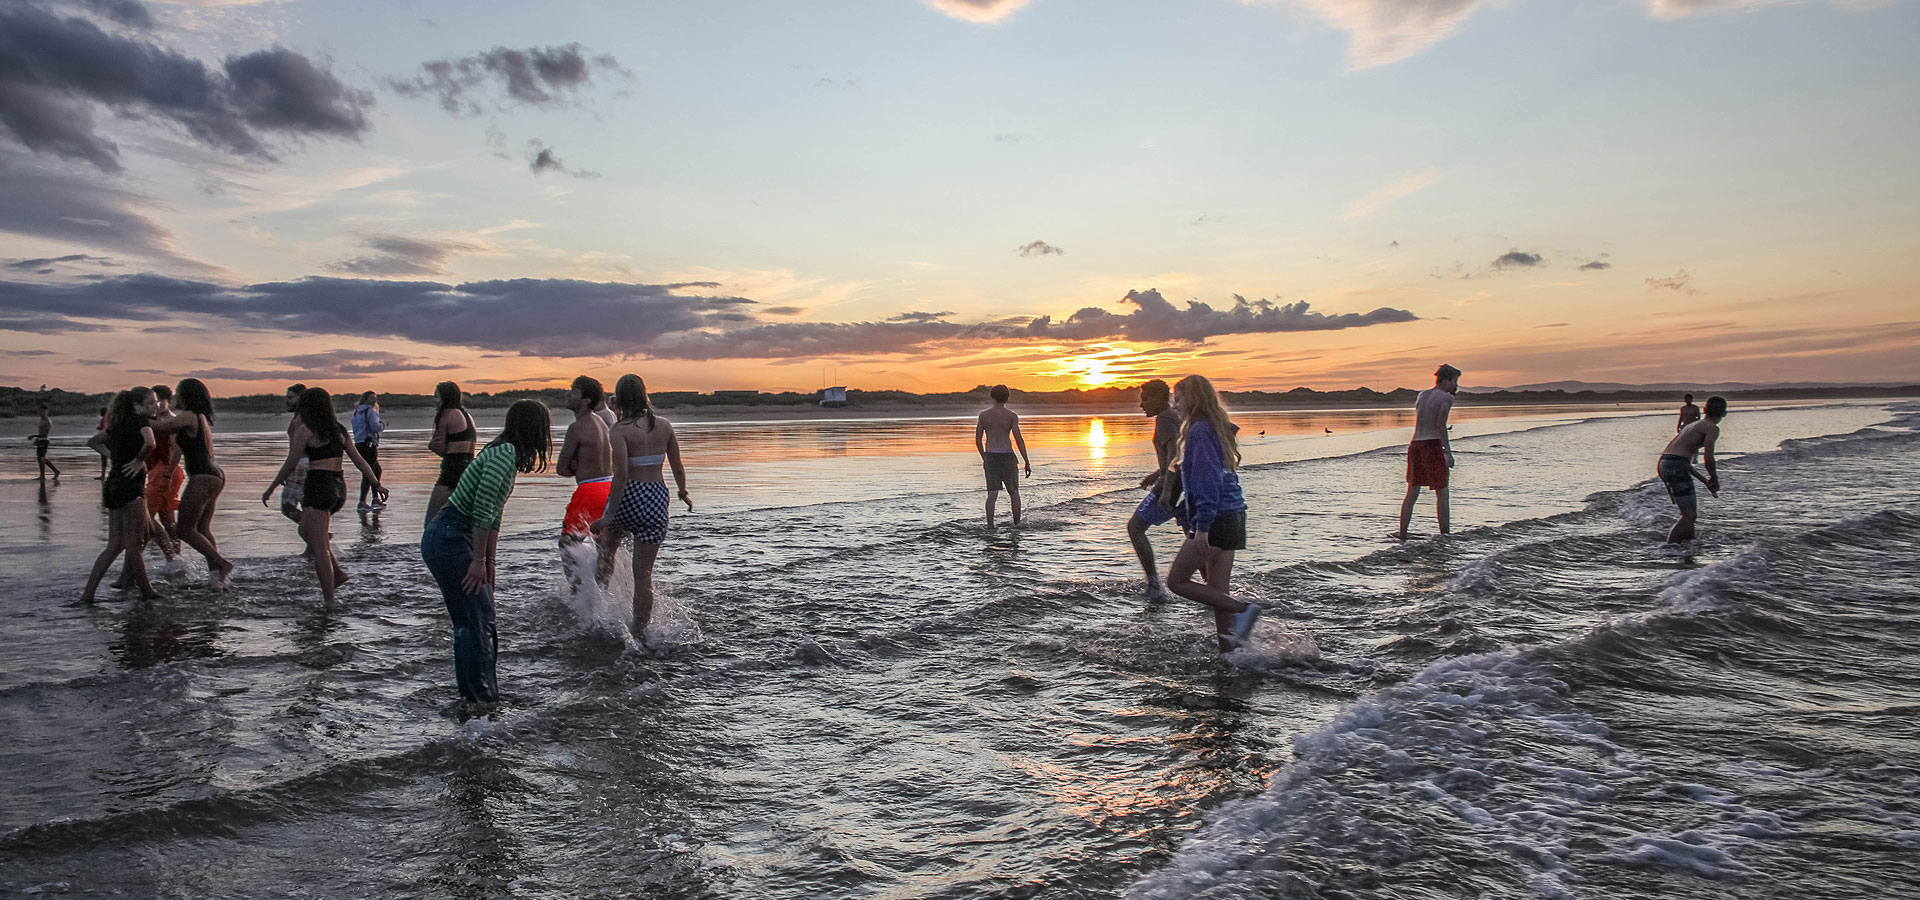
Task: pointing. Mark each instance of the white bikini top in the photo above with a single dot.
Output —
(652, 460)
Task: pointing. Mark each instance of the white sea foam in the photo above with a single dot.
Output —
(608, 608)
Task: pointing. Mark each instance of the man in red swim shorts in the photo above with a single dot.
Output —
(586, 455)
(1430, 456)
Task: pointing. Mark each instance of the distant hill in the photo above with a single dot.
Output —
(1613, 387)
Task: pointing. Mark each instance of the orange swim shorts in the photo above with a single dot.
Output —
(163, 488)
(589, 501)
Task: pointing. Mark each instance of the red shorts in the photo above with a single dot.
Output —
(163, 488)
(1427, 464)
(589, 501)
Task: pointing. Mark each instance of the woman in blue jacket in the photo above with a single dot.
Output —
(1212, 512)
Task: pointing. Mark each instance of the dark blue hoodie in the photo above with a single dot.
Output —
(1208, 488)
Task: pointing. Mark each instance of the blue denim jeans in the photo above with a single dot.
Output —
(447, 547)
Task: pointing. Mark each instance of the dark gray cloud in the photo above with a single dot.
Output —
(505, 77)
(564, 318)
(1679, 282)
(56, 72)
(1518, 259)
(338, 363)
(1596, 266)
(782, 310)
(1039, 248)
(46, 201)
(96, 362)
(45, 265)
(45, 324)
(541, 159)
(27, 352)
(397, 255)
(919, 316)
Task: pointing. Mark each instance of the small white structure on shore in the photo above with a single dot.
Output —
(833, 396)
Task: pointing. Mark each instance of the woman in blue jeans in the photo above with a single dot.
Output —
(459, 543)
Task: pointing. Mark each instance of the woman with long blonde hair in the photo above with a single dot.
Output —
(1211, 509)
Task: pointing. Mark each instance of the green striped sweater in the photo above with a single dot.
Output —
(485, 486)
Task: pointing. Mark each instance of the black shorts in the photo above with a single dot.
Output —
(40, 446)
(326, 490)
(450, 469)
(1003, 470)
(1229, 532)
(118, 490)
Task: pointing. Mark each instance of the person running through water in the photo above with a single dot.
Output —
(1689, 414)
(318, 437)
(1212, 512)
(126, 441)
(1677, 472)
(1430, 455)
(164, 479)
(1153, 510)
(367, 424)
(43, 439)
(637, 502)
(459, 545)
(995, 436)
(454, 440)
(295, 485)
(192, 427)
(586, 457)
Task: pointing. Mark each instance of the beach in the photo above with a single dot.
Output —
(855, 689)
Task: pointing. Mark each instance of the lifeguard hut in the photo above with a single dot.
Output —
(833, 396)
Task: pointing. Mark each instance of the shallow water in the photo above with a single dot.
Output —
(857, 690)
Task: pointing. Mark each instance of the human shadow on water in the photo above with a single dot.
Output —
(156, 632)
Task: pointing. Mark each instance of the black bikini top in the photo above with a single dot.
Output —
(329, 450)
(469, 435)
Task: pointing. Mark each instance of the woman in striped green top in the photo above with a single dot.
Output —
(458, 545)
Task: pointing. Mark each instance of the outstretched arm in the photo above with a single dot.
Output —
(679, 469)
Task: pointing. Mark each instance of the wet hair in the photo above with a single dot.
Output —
(125, 407)
(1156, 388)
(163, 392)
(194, 397)
(1716, 407)
(630, 399)
(296, 388)
(1689, 398)
(315, 409)
(1203, 403)
(529, 430)
(1446, 373)
(446, 396)
(590, 390)
(999, 393)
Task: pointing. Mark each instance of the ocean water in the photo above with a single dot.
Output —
(856, 690)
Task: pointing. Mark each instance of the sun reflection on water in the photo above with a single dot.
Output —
(1097, 439)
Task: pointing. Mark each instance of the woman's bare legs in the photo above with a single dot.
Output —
(314, 527)
(125, 527)
(1216, 566)
(196, 521)
(643, 556)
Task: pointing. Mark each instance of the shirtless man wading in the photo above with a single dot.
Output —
(587, 457)
(1677, 472)
(995, 436)
(1430, 456)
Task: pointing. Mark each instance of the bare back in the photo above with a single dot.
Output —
(46, 426)
(587, 453)
(1691, 439)
(1430, 414)
(995, 429)
(633, 438)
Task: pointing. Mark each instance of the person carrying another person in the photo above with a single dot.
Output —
(995, 436)
(1430, 455)
(1677, 472)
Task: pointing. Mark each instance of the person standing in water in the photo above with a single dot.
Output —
(164, 479)
(637, 502)
(459, 544)
(604, 412)
(101, 448)
(1153, 510)
(995, 436)
(1677, 472)
(295, 485)
(367, 424)
(126, 441)
(192, 427)
(1212, 511)
(1689, 414)
(454, 440)
(1430, 455)
(42, 440)
(586, 457)
(318, 437)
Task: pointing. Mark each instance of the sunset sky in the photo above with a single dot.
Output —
(933, 194)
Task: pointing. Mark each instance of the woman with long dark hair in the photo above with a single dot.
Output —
(1212, 511)
(459, 544)
(454, 440)
(637, 502)
(192, 428)
(318, 437)
(125, 442)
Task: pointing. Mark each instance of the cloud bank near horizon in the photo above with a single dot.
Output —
(568, 318)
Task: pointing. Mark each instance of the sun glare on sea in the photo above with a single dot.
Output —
(1097, 439)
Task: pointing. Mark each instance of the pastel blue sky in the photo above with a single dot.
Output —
(1534, 190)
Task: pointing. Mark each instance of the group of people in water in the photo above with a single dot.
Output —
(160, 483)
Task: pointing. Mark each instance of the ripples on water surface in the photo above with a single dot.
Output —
(860, 692)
